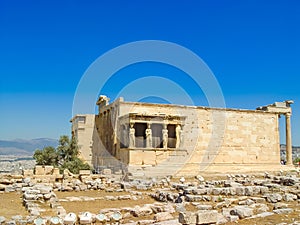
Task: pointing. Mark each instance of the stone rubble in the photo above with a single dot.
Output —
(236, 198)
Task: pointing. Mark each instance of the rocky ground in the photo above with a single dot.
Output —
(240, 198)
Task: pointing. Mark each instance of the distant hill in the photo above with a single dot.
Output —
(25, 147)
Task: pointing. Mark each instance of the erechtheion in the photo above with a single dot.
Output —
(159, 139)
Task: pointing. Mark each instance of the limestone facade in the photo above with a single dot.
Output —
(188, 138)
(83, 126)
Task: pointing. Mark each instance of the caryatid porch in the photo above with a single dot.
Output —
(148, 139)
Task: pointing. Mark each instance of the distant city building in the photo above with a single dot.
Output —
(295, 152)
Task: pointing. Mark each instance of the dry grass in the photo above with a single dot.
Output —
(11, 204)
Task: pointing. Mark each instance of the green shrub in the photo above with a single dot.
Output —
(65, 156)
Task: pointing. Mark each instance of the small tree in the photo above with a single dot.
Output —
(47, 156)
(67, 149)
(65, 156)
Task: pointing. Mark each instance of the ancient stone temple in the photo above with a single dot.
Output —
(161, 139)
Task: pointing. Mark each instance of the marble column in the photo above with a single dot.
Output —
(289, 160)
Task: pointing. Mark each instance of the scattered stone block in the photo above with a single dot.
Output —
(55, 171)
(258, 200)
(168, 222)
(2, 219)
(180, 208)
(145, 222)
(48, 170)
(204, 207)
(283, 211)
(263, 190)
(44, 189)
(39, 170)
(187, 218)
(246, 202)
(157, 208)
(6, 181)
(9, 188)
(202, 191)
(162, 216)
(242, 211)
(280, 205)
(27, 173)
(216, 191)
(207, 217)
(206, 198)
(289, 197)
(200, 178)
(47, 196)
(232, 218)
(84, 172)
(66, 188)
(17, 217)
(141, 211)
(142, 187)
(248, 191)
(263, 214)
(273, 197)
(2, 187)
(288, 181)
(260, 207)
(11, 222)
(221, 219)
(124, 197)
(29, 196)
(240, 191)
(194, 198)
(34, 212)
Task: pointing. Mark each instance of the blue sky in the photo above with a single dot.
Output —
(252, 47)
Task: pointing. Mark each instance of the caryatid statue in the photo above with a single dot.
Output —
(148, 136)
(165, 137)
(178, 136)
(131, 136)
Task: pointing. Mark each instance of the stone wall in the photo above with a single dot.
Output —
(105, 142)
(83, 128)
(214, 139)
(220, 137)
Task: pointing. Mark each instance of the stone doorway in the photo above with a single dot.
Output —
(140, 135)
(171, 135)
(157, 135)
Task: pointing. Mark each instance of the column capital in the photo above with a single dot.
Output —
(288, 114)
(165, 125)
